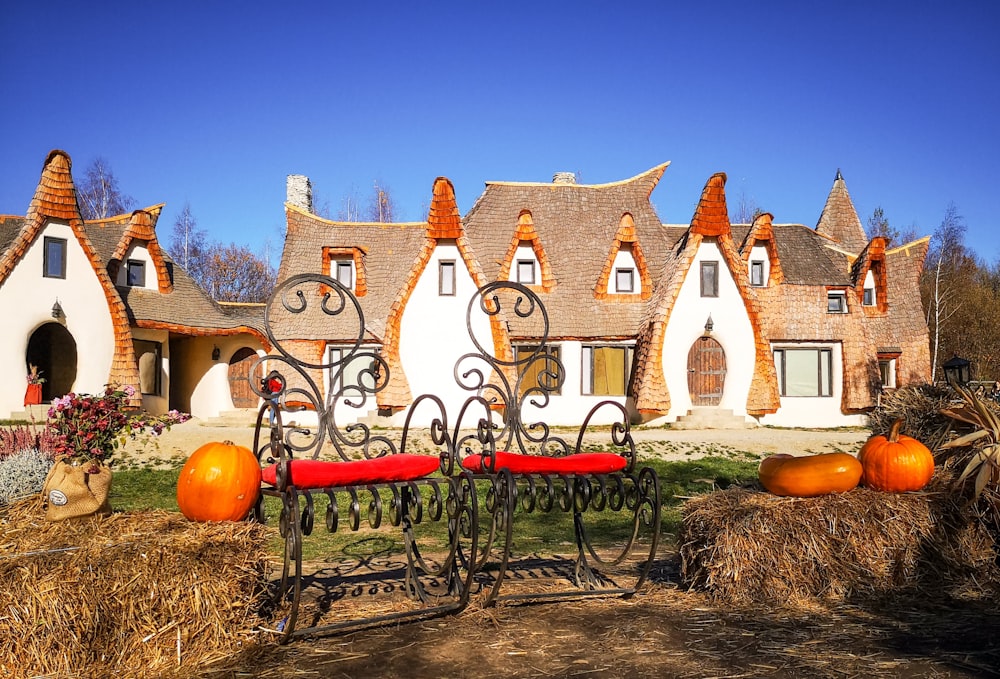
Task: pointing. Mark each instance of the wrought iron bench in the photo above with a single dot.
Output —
(354, 468)
(501, 437)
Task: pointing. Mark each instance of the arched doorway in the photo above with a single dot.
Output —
(52, 348)
(239, 378)
(706, 371)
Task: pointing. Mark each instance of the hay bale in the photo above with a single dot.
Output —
(136, 594)
(744, 546)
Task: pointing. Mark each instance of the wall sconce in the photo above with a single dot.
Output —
(57, 310)
(215, 353)
(709, 325)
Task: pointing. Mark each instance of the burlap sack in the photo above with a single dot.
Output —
(75, 490)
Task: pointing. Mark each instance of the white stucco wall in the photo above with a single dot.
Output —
(207, 381)
(26, 299)
(732, 329)
(137, 251)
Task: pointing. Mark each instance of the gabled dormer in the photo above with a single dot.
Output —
(347, 266)
(869, 279)
(526, 261)
(625, 276)
(760, 254)
(137, 260)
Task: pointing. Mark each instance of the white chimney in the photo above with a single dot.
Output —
(564, 178)
(298, 191)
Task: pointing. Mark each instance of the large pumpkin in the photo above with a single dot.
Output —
(219, 482)
(896, 463)
(809, 475)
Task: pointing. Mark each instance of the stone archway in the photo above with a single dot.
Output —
(52, 348)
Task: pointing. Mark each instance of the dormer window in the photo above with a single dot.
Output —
(344, 273)
(135, 273)
(836, 302)
(757, 273)
(625, 280)
(446, 278)
(868, 293)
(526, 271)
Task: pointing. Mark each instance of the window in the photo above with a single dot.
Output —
(360, 368)
(344, 273)
(54, 257)
(446, 278)
(887, 370)
(149, 359)
(606, 370)
(135, 273)
(868, 297)
(545, 371)
(624, 280)
(757, 273)
(709, 279)
(836, 302)
(526, 271)
(804, 372)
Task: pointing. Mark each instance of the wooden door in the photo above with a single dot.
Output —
(706, 372)
(239, 378)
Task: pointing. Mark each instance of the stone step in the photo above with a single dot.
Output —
(236, 417)
(712, 418)
(36, 413)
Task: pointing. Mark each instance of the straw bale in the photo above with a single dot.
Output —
(744, 546)
(137, 594)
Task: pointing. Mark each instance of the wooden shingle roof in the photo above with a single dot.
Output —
(839, 220)
(576, 226)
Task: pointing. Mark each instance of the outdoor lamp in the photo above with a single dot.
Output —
(956, 370)
(57, 310)
(215, 353)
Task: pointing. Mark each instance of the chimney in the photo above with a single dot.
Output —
(298, 191)
(564, 178)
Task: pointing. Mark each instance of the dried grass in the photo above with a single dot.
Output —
(743, 546)
(136, 594)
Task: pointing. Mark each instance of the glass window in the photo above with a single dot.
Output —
(606, 370)
(804, 372)
(54, 257)
(353, 369)
(868, 298)
(526, 271)
(446, 278)
(136, 273)
(545, 371)
(624, 280)
(757, 273)
(709, 279)
(887, 370)
(836, 302)
(149, 359)
(344, 273)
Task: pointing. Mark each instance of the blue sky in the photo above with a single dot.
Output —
(213, 104)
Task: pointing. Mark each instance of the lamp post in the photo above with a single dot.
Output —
(956, 370)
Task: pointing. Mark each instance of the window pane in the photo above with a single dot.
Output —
(605, 370)
(802, 372)
(543, 371)
(54, 258)
(836, 303)
(358, 371)
(526, 272)
(136, 276)
(344, 274)
(757, 273)
(446, 278)
(709, 279)
(869, 297)
(623, 280)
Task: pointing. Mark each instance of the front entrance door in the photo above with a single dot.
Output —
(239, 378)
(706, 372)
(53, 349)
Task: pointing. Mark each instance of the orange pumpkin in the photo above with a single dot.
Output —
(219, 482)
(809, 475)
(896, 463)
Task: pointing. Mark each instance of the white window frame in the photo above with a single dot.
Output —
(836, 302)
(757, 279)
(625, 280)
(525, 274)
(587, 367)
(335, 354)
(887, 371)
(342, 266)
(446, 278)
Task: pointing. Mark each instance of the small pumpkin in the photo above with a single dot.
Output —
(219, 482)
(809, 475)
(896, 463)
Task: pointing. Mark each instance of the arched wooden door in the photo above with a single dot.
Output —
(239, 378)
(706, 371)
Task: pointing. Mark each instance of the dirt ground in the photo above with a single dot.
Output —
(664, 631)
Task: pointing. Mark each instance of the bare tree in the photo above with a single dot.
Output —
(745, 210)
(235, 274)
(350, 206)
(188, 244)
(945, 284)
(99, 195)
(381, 206)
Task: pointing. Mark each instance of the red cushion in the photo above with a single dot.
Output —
(385, 469)
(579, 463)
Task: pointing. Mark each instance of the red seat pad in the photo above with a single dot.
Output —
(385, 469)
(579, 463)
